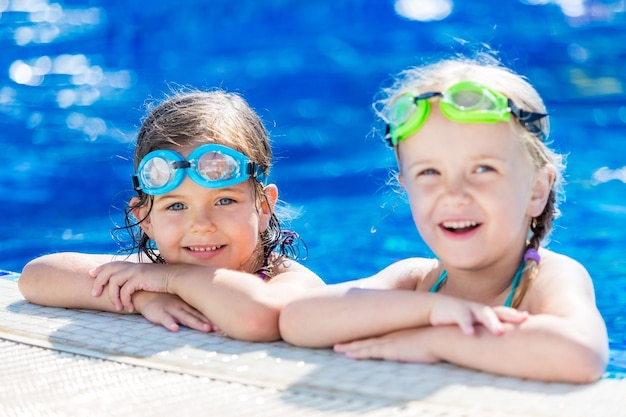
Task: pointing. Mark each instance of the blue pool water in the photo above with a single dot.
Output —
(74, 75)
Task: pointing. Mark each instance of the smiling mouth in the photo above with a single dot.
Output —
(204, 248)
(460, 226)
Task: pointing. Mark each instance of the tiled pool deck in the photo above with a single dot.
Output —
(57, 362)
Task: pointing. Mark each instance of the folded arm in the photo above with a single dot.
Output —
(62, 280)
(563, 339)
(383, 303)
(240, 304)
(543, 347)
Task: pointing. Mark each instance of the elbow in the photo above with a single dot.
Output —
(28, 280)
(583, 365)
(590, 361)
(589, 367)
(257, 325)
(291, 328)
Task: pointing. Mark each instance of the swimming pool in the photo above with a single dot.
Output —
(76, 73)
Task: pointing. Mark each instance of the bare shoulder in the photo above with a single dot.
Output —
(287, 269)
(406, 274)
(558, 269)
(562, 283)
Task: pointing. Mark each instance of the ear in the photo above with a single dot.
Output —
(267, 205)
(141, 214)
(544, 180)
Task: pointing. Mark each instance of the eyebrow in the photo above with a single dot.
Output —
(229, 190)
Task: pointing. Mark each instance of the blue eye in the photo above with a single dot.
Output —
(177, 207)
(429, 171)
(225, 201)
(484, 168)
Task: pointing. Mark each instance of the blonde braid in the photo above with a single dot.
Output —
(540, 227)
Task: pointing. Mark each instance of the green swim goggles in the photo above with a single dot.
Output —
(464, 102)
(211, 166)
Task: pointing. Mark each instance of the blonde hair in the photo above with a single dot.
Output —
(487, 70)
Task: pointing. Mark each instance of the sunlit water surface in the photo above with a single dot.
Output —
(75, 75)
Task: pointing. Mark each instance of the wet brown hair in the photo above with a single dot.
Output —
(188, 119)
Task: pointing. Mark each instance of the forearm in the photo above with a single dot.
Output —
(544, 348)
(240, 304)
(347, 314)
(62, 280)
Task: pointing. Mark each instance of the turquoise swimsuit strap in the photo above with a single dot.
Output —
(516, 280)
(442, 278)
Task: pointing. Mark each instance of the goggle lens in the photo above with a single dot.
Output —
(464, 102)
(471, 100)
(215, 166)
(156, 172)
(211, 166)
(403, 109)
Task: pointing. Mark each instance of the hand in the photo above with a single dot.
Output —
(170, 311)
(466, 314)
(400, 346)
(124, 278)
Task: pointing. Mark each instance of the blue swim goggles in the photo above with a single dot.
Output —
(464, 102)
(211, 166)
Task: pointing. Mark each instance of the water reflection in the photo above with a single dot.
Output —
(42, 22)
(606, 174)
(73, 80)
(62, 81)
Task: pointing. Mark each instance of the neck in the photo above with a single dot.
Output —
(488, 285)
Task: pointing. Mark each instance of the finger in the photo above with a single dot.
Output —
(169, 323)
(488, 318)
(114, 293)
(366, 349)
(96, 289)
(193, 319)
(360, 354)
(345, 347)
(341, 347)
(511, 315)
(466, 324)
(99, 282)
(101, 275)
(126, 292)
(93, 272)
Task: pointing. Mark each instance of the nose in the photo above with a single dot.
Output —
(203, 221)
(456, 189)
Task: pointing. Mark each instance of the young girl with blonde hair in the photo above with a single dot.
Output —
(470, 141)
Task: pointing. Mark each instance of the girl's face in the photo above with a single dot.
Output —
(212, 227)
(471, 189)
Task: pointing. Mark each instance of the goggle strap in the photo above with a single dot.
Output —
(388, 136)
(252, 169)
(136, 185)
(523, 115)
(255, 171)
(528, 119)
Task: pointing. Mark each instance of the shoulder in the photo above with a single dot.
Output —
(561, 282)
(288, 269)
(559, 269)
(406, 274)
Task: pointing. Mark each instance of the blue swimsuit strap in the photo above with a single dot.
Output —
(516, 280)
